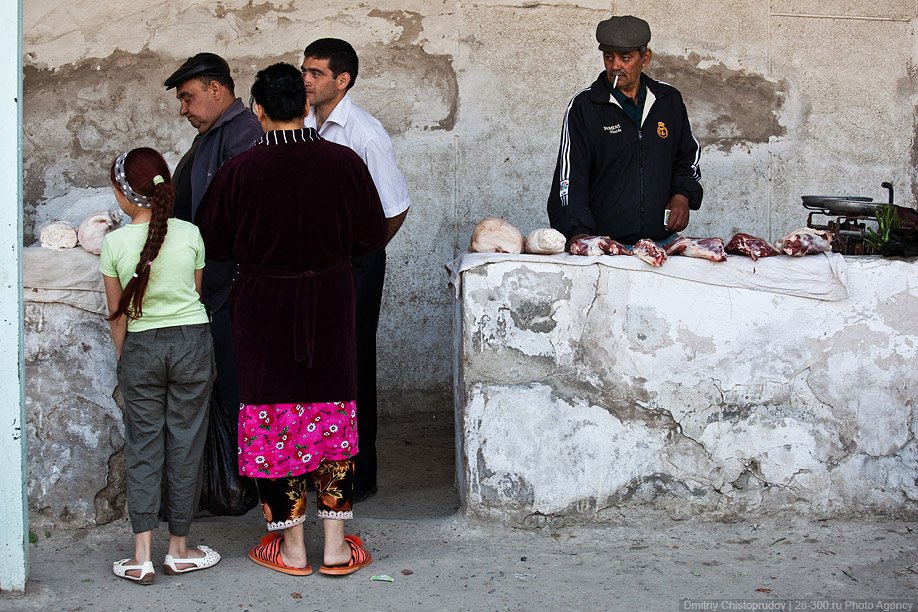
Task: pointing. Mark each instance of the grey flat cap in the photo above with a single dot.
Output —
(623, 33)
(198, 65)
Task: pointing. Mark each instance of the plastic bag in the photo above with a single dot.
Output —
(223, 491)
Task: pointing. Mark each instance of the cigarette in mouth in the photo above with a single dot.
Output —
(615, 82)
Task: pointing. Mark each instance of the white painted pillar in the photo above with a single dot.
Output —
(14, 545)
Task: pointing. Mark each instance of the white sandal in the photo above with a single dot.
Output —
(210, 558)
(147, 573)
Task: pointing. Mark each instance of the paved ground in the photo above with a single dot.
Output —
(440, 561)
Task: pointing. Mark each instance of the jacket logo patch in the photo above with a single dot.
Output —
(662, 132)
(613, 129)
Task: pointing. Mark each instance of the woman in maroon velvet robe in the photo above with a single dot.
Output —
(292, 210)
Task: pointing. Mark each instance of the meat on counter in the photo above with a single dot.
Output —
(750, 246)
(58, 235)
(704, 248)
(806, 241)
(598, 245)
(545, 241)
(94, 227)
(647, 251)
(494, 235)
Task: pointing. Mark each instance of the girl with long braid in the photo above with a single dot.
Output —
(152, 269)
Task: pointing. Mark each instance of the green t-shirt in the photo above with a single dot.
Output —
(170, 298)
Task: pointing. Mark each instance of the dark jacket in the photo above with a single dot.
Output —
(293, 213)
(235, 130)
(612, 179)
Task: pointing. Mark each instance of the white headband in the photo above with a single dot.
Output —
(121, 178)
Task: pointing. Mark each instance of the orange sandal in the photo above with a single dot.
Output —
(359, 558)
(267, 554)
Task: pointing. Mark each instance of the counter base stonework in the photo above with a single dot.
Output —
(75, 429)
(594, 393)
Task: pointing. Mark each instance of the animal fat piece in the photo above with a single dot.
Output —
(545, 241)
(750, 246)
(705, 248)
(58, 235)
(94, 227)
(494, 235)
(647, 251)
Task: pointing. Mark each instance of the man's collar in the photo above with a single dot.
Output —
(342, 111)
(624, 98)
(231, 111)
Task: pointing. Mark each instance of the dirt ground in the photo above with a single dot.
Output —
(438, 560)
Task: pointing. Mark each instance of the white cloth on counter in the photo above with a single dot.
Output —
(67, 277)
(820, 277)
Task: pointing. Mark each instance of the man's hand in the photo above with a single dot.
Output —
(394, 223)
(678, 213)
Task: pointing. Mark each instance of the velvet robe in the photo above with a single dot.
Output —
(293, 210)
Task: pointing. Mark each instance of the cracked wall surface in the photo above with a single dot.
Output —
(75, 429)
(594, 393)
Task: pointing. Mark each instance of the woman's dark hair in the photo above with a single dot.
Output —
(339, 53)
(280, 92)
(140, 167)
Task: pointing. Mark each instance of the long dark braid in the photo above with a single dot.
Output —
(140, 168)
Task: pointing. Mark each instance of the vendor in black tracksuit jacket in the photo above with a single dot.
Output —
(627, 152)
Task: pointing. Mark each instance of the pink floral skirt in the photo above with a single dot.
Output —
(278, 440)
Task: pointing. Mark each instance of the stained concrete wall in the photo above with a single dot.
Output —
(787, 98)
(583, 396)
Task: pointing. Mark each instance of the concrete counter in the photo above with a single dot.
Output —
(74, 426)
(595, 393)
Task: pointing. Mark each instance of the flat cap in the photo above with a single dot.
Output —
(200, 64)
(622, 33)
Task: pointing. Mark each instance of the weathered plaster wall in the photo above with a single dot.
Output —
(786, 97)
(716, 402)
(74, 426)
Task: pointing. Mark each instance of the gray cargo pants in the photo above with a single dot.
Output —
(165, 377)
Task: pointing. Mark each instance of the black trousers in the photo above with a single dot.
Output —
(369, 274)
(221, 329)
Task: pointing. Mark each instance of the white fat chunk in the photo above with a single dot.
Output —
(545, 241)
(493, 235)
(58, 235)
(94, 227)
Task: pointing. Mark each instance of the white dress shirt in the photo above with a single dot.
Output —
(350, 125)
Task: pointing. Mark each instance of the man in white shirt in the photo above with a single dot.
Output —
(329, 71)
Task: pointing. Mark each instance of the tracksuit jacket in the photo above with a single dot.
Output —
(613, 179)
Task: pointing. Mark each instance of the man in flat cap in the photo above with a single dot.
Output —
(205, 91)
(628, 162)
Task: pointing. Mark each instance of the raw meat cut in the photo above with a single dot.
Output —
(806, 241)
(705, 248)
(493, 235)
(647, 251)
(545, 241)
(598, 245)
(58, 235)
(750, 246)
(613, 247)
